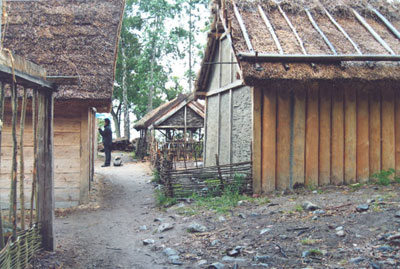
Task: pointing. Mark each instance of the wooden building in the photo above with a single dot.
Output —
(76, 40)
(182, 114)
(309, 90)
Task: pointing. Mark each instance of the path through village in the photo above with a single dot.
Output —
(354, 226)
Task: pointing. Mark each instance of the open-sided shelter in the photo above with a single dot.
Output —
(182, 114)
(309, 90)
(71, 39)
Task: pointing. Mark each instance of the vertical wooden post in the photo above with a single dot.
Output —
(299, 136)
(221, 180)
(85, 156)
(388, 128)
(312, 135)
(257, 134)
(13, 190)
(350, 134)
(375, 139)
(337, 165)
(325, 135)
(22, 161)
(1, 129)
(268, 140)
(45, 172)
(362, 135)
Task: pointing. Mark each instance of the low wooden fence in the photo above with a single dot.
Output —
(19, 253)
(205, 180)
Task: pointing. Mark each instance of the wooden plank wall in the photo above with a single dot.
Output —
(66, 160)
(322, 133)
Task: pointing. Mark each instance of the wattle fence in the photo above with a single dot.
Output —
(205, 180)
(19, 253)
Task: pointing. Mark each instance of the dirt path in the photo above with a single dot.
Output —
(110, 237)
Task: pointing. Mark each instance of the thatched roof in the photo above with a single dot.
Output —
(69, 38)
(163, 110)
(341, 11)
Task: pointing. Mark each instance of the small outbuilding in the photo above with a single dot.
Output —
(307, 90)
(77, 42)
(179, 122)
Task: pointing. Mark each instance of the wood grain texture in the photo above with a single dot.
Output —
(337, 172)
(325, 136)
(299, 136)
(312, 135)
(388, 128)
(283, 139)
(257, 129)
(375, 131)
(85, 157)
(362, 135)
(350, 142)
(397, 131)
(269, 140)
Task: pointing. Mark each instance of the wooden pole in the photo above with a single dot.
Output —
(21, 159)
(45, 173)
(13, 192)
(219, 172)
(1, 128)
(34, 171)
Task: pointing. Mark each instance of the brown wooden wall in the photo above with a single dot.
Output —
(322, 133)
(71, 148)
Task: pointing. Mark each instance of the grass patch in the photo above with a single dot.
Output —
(156, 176)
(308, 241)
(162, 200)
(385, 177)
(298, 208)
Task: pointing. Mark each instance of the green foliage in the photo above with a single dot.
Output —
(156, 176)
(383, 178)
(162, 200)
(298, 208)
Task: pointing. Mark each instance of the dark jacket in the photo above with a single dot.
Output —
(107, 135)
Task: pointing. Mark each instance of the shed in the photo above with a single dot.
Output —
(71, 39)
(307, 90)
(182, 114)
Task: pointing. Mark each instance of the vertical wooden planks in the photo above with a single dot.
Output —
(85, 156)
(257, 143)
(350, 146)
(299, 124)
(312, 135)
(375, 130)
(388, 128)
(397, 132)
(269, 140)
(283, 138)
(337, 136)
(325, 135)
(362, 135)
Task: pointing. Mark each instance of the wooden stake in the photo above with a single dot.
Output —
(1, 127)
(219, 172)
(21, 159)
(13, 192)
(34, 172)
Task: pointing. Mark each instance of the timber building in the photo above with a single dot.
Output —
(71, 39)
(307, 90)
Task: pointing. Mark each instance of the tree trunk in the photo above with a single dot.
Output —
(125, 95)
(117, 121)
(21, 159)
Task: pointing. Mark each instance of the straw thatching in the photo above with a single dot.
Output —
(69, 38)
(151, 117)
(314, 44)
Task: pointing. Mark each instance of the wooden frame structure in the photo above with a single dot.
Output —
(315, 113)
(17, 72)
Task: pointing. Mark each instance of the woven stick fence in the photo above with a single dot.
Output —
(205, 180)
(19, 253)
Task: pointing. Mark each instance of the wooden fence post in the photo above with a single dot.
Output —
(45, 173)
(219, 172)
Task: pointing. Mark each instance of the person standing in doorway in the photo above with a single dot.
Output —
(107, 141)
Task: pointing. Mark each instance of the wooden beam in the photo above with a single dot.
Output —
(270, 29)
(257, 143)
(375, 139)
(372, 32)
(283, 139)
(84, 157)
(228, 87)
(45, 169)
(269, 140)
(350, 134)
(299, 136)
(321, 33)
(293, 29)
(340, 28)
(325, 135)
(388, 128)
(362, 135)
(337, 167)
(312, 135)
(386, 22)
(243, 28)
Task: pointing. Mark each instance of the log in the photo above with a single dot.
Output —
(13, 190)
(21, 155)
